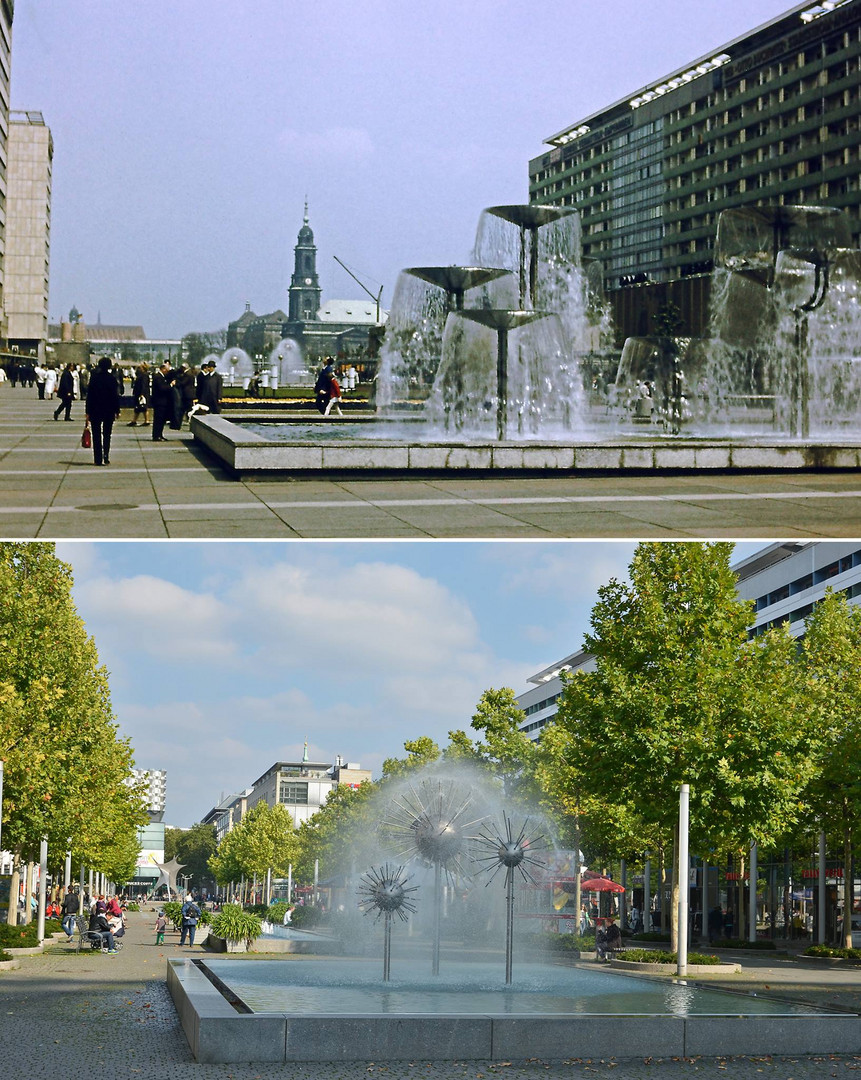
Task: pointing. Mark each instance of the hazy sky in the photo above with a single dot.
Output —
(226, 657)
(187, 133)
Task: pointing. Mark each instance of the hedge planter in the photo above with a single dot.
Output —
(670, 969)
(220, 944)
(9, 965)
(23, 952)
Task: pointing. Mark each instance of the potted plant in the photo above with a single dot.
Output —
(238, 929)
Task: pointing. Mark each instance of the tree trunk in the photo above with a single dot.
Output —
(14, 889)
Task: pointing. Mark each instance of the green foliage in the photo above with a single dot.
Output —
(681, 695)
(193, 848)
(234, 924)
(19, 937)
(420, 753)
(760, 945)
(831, 660)
(568, 942)
(277, 911)
(173, 913)
(132, 906)
(66, 769)
(659, 956)
(306, 915)
(331, 835)
(264, 839)
(834, 952)
(507, 752)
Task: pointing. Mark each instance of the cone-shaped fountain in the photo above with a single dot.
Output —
(502, 320)
(529, 218)
(456, 280)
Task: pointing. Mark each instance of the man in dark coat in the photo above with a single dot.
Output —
(209, 384)
(162, 401)
(103, 407)
(66, 393)
(185, 385)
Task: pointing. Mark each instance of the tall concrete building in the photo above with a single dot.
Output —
(28, 233)
(7, 12)
(770, 118)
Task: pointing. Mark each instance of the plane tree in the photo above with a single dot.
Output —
(681, 694)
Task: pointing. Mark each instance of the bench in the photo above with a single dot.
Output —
(87, 938)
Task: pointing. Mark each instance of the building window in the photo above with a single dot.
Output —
(290, 792)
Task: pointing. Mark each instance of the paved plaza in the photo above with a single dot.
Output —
(49, 488)
(91, 1014)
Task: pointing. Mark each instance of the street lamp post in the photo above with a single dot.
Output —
(684, 887)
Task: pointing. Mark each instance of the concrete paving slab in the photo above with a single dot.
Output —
(44, 473)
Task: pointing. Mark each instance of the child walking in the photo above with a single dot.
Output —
(160, 927)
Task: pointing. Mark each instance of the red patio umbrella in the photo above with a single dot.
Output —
(601, 884)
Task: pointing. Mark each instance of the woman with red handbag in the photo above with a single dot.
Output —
(103, 407)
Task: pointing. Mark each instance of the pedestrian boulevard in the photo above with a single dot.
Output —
(91, 1014)
(49, 489)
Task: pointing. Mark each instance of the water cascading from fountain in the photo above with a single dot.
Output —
(435, 819)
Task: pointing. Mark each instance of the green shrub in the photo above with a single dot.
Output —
(277, 911)
(651, 935)
(234, 924)
(740, 943)
(306, 916)
(132, 906)
(19, 937)
(173, 913)
(258, 909)
(833, 951)
(660, 956)
(5, 955)
(53, 926)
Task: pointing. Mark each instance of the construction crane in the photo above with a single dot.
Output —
(376, 298)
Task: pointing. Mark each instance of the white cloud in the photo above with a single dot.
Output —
(342, 144)
(366, 619)
(162, 619)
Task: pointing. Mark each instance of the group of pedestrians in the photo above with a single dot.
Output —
(107, 921)
(171, 393)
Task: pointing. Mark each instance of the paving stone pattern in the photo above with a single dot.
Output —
(50, 489)
(98, 1016)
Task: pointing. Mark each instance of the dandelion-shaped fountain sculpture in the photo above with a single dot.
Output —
(384, 890)
(432, 821)
(513, 853)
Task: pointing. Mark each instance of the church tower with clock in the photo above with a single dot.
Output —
(305, 292)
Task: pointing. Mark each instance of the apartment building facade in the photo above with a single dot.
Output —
(770, 118)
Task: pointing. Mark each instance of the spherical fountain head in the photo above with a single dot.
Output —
(385, 890)
(510, 853)
(437, 838)
(511, 848)
(433, 819)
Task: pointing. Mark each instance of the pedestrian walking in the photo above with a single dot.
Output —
(190, 915)
(103, 407)
(160, 927)
(142, 394)
(66, 392)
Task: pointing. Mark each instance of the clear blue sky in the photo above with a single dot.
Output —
(188, 132)
(226, 657)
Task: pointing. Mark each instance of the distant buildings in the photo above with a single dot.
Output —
(77, 342)
(150, 836)
(28, 233)
(349, 329)
(300, 786)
